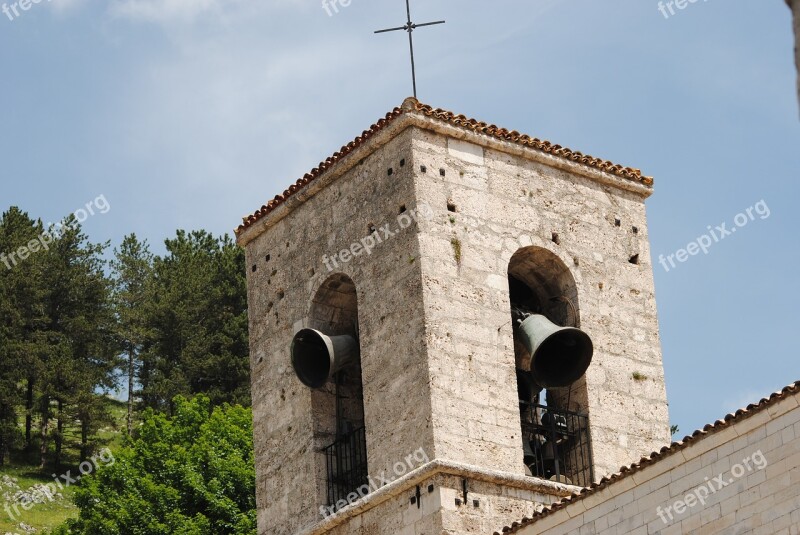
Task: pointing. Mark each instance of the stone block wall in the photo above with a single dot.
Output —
(286, 267)
(434, 320)
(491, 200)
(744, 478)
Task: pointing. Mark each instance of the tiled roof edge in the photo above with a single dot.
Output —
(411, 105)
(654, 457)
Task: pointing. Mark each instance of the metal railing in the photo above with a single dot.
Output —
(346, 461)
(557, 444)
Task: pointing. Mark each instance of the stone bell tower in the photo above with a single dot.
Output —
(418, 244)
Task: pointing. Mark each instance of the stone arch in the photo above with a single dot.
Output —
(334, 308)
(541, 283)
(338, 407)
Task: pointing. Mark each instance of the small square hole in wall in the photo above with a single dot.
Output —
(442, 172)
(390, 172)
(635, 230)
(255, 268)
(402, 163)
(556, 239)
(634, 259)
(423, 168)
(402, 208)
(617, 222)
(268, 257)
(451, 207)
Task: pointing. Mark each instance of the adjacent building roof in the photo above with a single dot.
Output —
(665, 452)
(413, 106)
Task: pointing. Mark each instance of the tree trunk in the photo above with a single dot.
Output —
(85, 421)
(130, 390)
(59, 433)
(29, 416)
(43, 435)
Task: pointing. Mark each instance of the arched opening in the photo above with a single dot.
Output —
(338, 405)
(545, 313)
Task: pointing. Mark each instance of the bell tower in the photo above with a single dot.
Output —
(451, 325)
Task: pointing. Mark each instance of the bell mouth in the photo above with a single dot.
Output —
(562, 358)
(311, 358)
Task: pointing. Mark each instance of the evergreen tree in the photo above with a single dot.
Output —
(21, 322)
(133, 267)
(197, 315)
(82, 353)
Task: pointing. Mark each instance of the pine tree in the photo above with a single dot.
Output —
(133, 267)
(198, 317)
(21, 320)
(82, 350)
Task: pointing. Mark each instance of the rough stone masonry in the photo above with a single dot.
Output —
(431, 309)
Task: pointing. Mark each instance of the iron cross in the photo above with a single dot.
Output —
(410, 27)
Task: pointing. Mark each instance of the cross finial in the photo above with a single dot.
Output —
(410, 27)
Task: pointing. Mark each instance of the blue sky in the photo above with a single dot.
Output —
(192, 113)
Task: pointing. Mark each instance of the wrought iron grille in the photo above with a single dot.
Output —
(346, 465)
(557, 444)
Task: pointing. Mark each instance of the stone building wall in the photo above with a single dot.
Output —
(285, 270)
(742, 478)
(434, 322)
(506, 200)
(442, 507)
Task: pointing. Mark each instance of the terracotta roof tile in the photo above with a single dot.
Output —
(654, 457)
(413, 106)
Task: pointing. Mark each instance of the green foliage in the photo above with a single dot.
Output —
(81, 355)
(22, 319)
(70, 328)
(456, 243)
(197, 317)
(132, 270)
(192, 474)
(172, 325)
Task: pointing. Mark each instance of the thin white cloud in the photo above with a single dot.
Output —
(161, 11)
(187, 11)
(66, 5)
